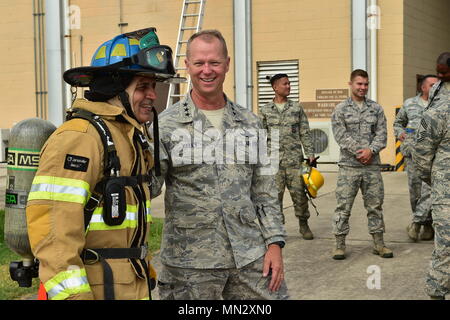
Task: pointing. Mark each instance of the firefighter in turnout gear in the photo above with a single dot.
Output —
(88, 211)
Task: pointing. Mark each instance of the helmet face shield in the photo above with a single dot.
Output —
(158, 59)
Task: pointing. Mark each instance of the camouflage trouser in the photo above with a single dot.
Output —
(246, 283)
(349, 181)
(291, 178)
(438, 278)
(419, 195)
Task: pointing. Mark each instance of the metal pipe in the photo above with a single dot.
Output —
(241, 46)
(41, 75)
(249, 55)
(35, 58)
(81, 50)
(42, 63)
(373, 14)
(81, 60)
(359, 35)
(66, 46)
(55, 65)
(121, 24)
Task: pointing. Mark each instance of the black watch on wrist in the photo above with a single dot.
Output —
(279, 243)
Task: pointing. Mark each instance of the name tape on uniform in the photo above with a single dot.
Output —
(76, 163)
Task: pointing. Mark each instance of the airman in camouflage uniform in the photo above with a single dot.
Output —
(405, 125)
(223, 230)
(432, 159)
(359, 127)
(293, 126)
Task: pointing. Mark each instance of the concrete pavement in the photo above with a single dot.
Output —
(311, 273)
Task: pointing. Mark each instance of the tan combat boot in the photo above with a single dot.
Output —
(379, 247)
(305, 231)
(339, 252)
(427, 232)
(413, 231)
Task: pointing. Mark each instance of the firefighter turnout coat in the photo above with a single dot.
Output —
(71, 165)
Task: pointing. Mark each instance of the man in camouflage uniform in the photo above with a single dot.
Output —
(223, 231)
(431, 157)
(359, 127)
(288, 117)
(405, 125)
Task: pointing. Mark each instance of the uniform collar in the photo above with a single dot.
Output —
(367, 103)
(289, 103)
(187, 111)
(446, 86)
(418, 100)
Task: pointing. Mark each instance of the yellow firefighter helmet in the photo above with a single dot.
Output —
(313, 180)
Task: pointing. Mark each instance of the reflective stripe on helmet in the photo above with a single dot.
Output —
(114, 51)
(119, 51)
(133, 42)
(67, 283)
(59, 189)
(101, 53)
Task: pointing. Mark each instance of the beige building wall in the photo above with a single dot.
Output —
(426, 35)
(100, 22)
(315, 32)
(390, 67)
(17, 88)
(318, 34)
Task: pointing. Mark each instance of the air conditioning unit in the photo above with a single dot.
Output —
(4, 138)
(323, 141)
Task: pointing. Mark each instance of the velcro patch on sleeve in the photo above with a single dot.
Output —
(76, 163)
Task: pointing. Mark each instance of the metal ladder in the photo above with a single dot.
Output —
(190, 22)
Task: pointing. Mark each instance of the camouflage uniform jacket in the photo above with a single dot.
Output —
(432, 147)
(217, 215)
(293, 127)
(409, 117)
(355, 128)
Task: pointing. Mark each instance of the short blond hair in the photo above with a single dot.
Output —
(208, 36)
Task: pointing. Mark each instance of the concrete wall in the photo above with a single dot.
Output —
(390, 67)
(99, 22)
(426, 25)
(100, 19)
(17, 88)
(316, 32)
